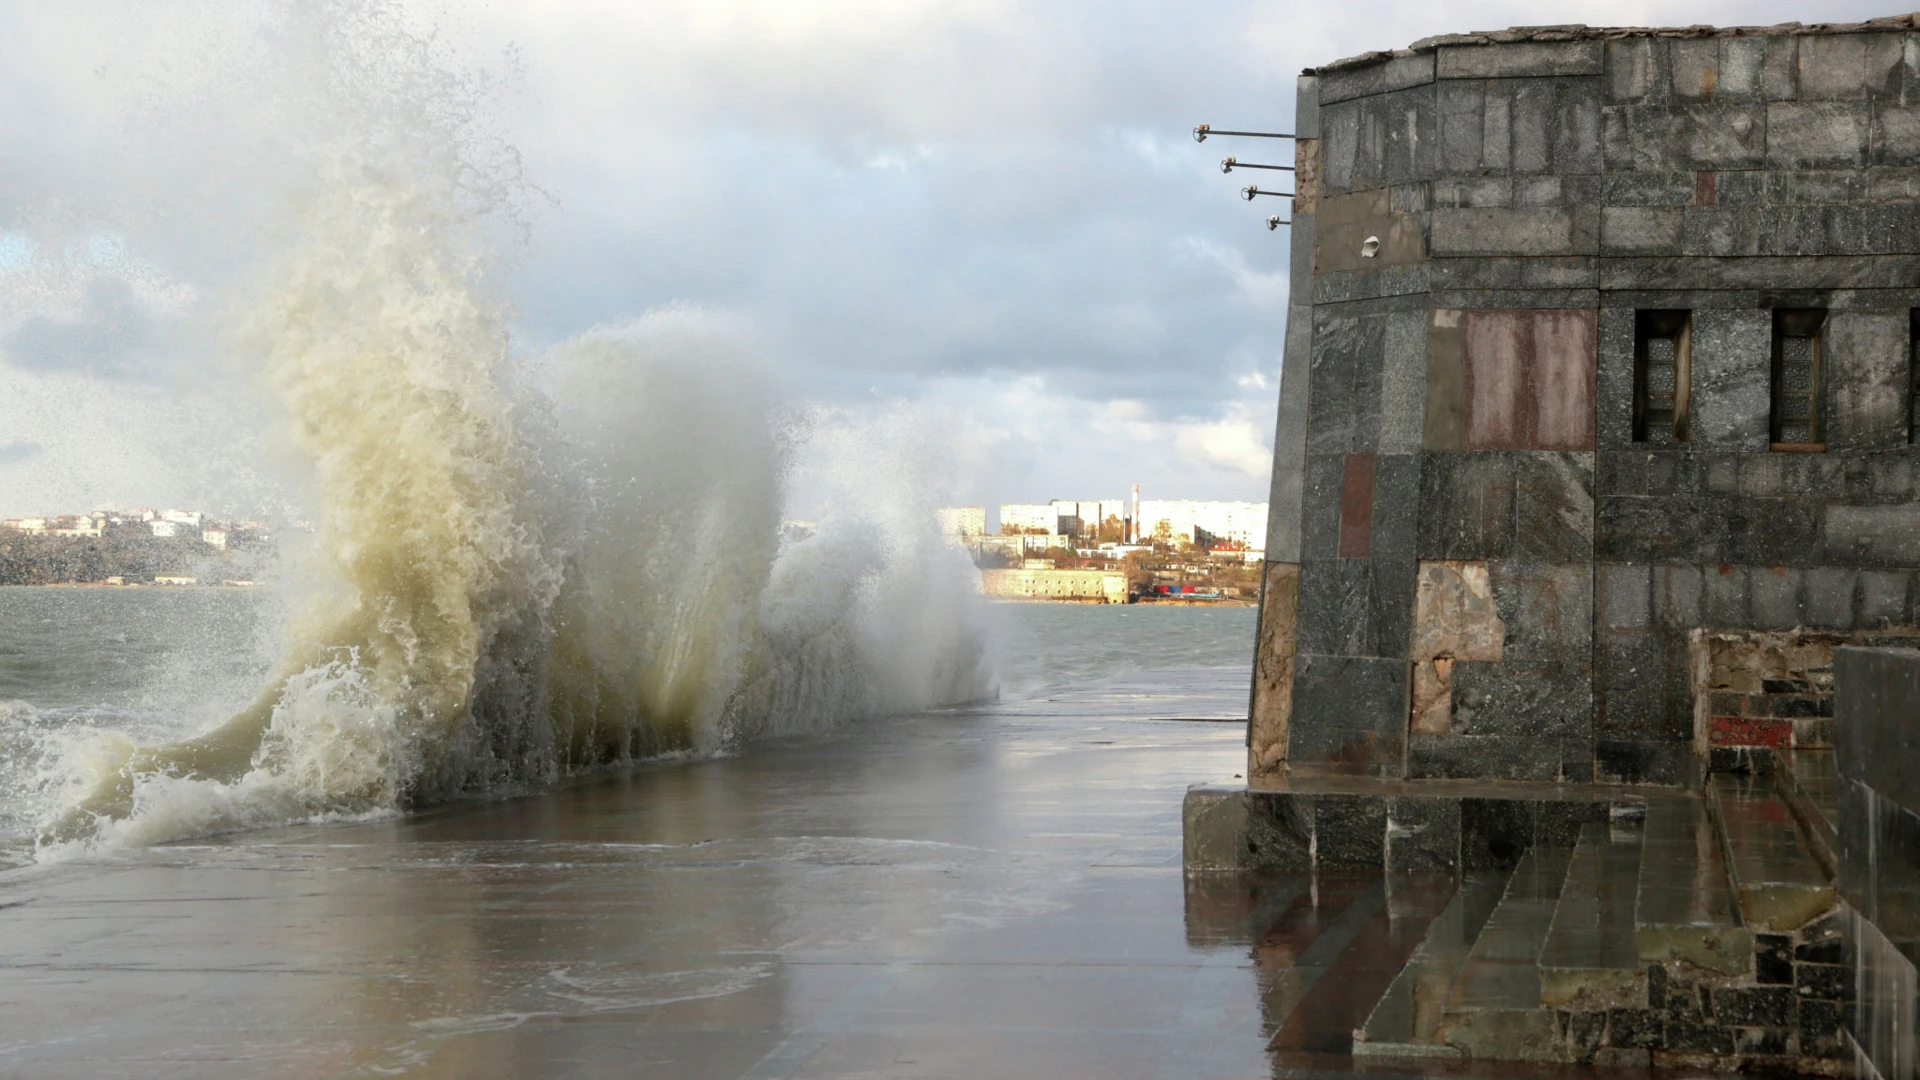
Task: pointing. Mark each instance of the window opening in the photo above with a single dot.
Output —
(1662, 375)
(1913, 376)
(1798, 402)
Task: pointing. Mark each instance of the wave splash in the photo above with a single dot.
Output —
(514, 584)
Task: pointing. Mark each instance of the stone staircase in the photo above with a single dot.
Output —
(1690, 930)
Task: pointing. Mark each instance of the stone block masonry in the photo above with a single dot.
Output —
(1510, 251)
(1877, 734)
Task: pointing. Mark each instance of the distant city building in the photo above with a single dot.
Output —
(1204, 523)
(1027, 517)
(214, 537)
(961, 522)
(174, 580)
(164, 528)
(182, 517)
(1085, 586)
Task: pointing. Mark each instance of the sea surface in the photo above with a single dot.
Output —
(156, 664)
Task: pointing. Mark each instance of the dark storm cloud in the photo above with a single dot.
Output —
(111, 337)
(903, 192)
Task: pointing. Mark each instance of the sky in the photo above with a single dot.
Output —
(985, 215)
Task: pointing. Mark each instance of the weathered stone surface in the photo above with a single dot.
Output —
(1511, 273)
(1870, 380)
(1356, 506)
(1444, 425)
(1717, 136)
(1638, 762)
(1849, 67)
(1306, 107)
(1731, 378)
(1275, 645)
(1423, 834)
(1552, 702)
(1483, 364)
(1454, 619)
(1764, 273)
(1553, 508)
(1614, 379)
(1466, 506)
(1287, 493)
(1398, 73)
(1529, 379)
(1804, 135)
(1896, 134)
(1625, 596)
(1869, 535)
(1344, 223)
(1641, 230)
(1344, 384)
(1320, 520)
(1213, 828)
(1403, 383)
(1396, 486)
(1350, 715)
(1638, 70)
(1504, 757)
(1518, 231)
(1521, 59)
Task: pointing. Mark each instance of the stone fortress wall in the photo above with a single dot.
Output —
(1600, 365)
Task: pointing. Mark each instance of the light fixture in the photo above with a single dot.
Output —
(1369, 247)
(1251, 190)
(1200, 134)
(1276, 221)
(1229, 164)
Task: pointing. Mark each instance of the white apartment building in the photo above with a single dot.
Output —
(1242, 523)
(961, 522)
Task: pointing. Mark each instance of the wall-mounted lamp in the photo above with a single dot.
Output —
(1276, 221)
(1200, 134)
(1250, 191)
(1227, 165)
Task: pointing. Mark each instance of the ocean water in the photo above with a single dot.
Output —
(83, 667)
(524, 565)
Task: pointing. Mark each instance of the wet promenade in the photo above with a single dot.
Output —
(993, 892)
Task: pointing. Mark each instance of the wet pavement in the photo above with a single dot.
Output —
(987, 892)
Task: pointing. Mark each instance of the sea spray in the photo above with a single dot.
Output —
(507, 588)
(668, 429)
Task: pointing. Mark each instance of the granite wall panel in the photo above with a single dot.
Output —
(1271, 710)
(1732, 372)
(1869, 360)
(1529, 379)
(1529, 198)
(1350, 715)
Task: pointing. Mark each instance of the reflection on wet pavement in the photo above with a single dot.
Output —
(977, 893)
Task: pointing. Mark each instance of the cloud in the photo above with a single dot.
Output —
(993, 200)
(17, 451)
(112, 336)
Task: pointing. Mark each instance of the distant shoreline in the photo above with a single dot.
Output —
(138, 586)
(1137, 604)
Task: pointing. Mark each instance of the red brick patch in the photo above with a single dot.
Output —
(1747, 731)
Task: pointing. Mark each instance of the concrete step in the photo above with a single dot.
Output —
(1494, 1010)
(1591, 958)
(1685, 908)
(1780, 885)
(1406, 1021)
(1810, 782)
